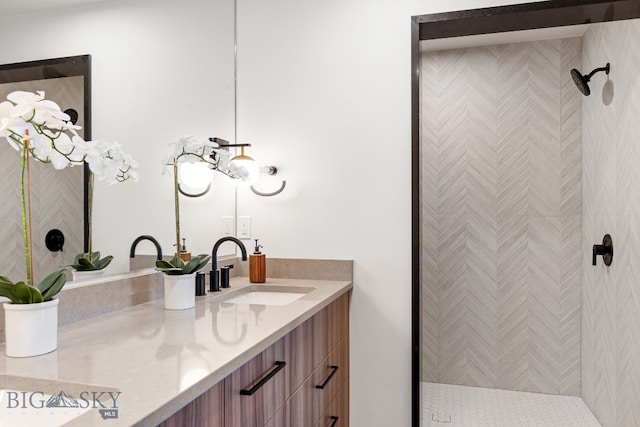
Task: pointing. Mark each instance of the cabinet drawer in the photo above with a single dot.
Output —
(310, 343)
(312, 399)
(337, 414)
(329, 376)
(330, 326)
(281, 418)
(257, 390)
(300, 353)
(339, 318)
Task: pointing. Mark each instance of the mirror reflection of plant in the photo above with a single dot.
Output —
(107, 162)
(38, 129)
(90, 261)
(192, 150)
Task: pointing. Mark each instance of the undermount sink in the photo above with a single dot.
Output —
(269, 295)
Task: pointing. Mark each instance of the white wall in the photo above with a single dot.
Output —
(324, 92)
(161, 69)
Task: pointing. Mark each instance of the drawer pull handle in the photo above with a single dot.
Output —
(334, 420)
(278, 366)
(324, 383)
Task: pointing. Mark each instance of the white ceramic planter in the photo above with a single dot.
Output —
(79, 275)
(179, 291)
(31, 329)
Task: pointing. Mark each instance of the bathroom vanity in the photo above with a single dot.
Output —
(300, 380)
(280, 358)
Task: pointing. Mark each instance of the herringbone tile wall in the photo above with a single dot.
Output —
(611, 204)
(501, 216)
(57, 195)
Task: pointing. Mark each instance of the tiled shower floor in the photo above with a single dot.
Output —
(445, 405)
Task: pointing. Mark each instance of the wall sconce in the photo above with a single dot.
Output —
(252, 167)
(269, 170)
(195, 179)
(242, 160)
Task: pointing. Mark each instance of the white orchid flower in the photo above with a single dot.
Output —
(190, 149)
(13, 129)
(54, 139)
(101, 168)
(49, 113)
(108, 162)
(34, 108)
(127, 169)
(6, 121)
(25, 102)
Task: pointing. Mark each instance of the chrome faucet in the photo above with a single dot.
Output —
(214, 278)
(132, 251)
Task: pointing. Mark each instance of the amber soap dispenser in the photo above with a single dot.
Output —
(184, 255)
(257, 265)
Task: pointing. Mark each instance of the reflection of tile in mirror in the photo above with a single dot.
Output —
(57, 196)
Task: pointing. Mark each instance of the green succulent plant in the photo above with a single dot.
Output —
(21, 293)
(90, 262)
(177, 266)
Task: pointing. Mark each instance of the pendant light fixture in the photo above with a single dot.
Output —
(250, 165)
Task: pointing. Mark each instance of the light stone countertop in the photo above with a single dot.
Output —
(159, 360)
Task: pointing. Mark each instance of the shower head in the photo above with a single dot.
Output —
(582, 82)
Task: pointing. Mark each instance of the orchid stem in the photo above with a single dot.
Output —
(26, 220)
(176, 192)
(90, 212)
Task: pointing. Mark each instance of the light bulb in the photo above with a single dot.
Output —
(194, 177)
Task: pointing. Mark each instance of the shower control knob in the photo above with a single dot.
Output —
(54, 240)
(605, 249)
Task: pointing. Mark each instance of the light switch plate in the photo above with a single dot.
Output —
(244, 227)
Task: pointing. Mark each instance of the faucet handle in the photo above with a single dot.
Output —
(224, 276)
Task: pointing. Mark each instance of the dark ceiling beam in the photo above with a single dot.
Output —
(524, 16)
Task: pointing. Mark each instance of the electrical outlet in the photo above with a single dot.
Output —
(227, 226)
(244, 227)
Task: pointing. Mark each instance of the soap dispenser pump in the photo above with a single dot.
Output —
(184, 255)
(257, 265)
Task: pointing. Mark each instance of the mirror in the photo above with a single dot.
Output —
(57, 195)
(159, 71)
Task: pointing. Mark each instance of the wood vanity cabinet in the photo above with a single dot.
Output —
(207, 410)
(310, 389)
(326, 365)
(255, 391)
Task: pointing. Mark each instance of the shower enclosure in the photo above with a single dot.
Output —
(516, 176)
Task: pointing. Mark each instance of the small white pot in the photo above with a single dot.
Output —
(79, 275)
(179, 291)
(31, 329)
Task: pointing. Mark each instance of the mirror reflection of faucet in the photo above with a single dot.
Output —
(132, 251)
(217, 279)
